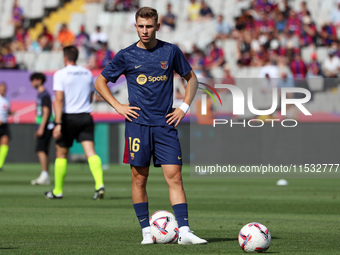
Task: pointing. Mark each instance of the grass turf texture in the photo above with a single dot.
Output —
(303, 217)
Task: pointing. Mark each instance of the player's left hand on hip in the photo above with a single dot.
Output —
(175, 117)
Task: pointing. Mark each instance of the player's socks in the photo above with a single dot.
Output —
(142, 213)
(3, 154)
(181, 213)
(95, 165)
(60, 169)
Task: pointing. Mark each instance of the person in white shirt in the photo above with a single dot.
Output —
(98, 36)
(270, 75)
(74, 88)
(222, 28)
(331, 69)
(331, 64)
(4, 131)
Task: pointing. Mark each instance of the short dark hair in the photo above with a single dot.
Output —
(148, 13)
(71, 53)
(38, 76)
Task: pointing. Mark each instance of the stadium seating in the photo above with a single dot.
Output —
(49, 4)
(35, 9)
(121, 32)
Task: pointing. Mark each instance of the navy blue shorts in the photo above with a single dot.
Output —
(160, 142)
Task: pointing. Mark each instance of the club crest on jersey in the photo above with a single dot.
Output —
(132, 155)
(164, 65)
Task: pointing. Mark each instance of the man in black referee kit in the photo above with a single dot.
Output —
(74, 88)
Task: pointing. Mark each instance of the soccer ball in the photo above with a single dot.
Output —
(254, 237)
(164, 227)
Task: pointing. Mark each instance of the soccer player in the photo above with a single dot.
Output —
(45, 126)
(148, 66)
(73, 86)
(4, 131)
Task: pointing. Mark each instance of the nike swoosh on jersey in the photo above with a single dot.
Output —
(138, 66)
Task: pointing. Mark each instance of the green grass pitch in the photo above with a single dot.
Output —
(304, 217)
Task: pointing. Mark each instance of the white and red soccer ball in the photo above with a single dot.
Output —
(254, 237)
(164, 227)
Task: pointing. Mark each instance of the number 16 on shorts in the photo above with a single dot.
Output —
(133, 146)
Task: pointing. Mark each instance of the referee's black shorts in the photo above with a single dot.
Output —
(4, 130)
(43, 141)
(77, 126)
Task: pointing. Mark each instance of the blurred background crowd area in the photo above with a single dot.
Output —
(228, 39)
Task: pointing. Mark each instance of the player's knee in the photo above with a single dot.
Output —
(61, 154)
(140, 181)
(175, 179)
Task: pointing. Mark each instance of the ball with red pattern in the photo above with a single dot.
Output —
(254, 237)
(164, 227)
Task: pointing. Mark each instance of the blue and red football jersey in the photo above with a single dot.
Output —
(149, 75)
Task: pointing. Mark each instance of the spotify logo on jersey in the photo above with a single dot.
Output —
(141, 79)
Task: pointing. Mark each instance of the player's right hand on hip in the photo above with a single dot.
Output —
(128, 111)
